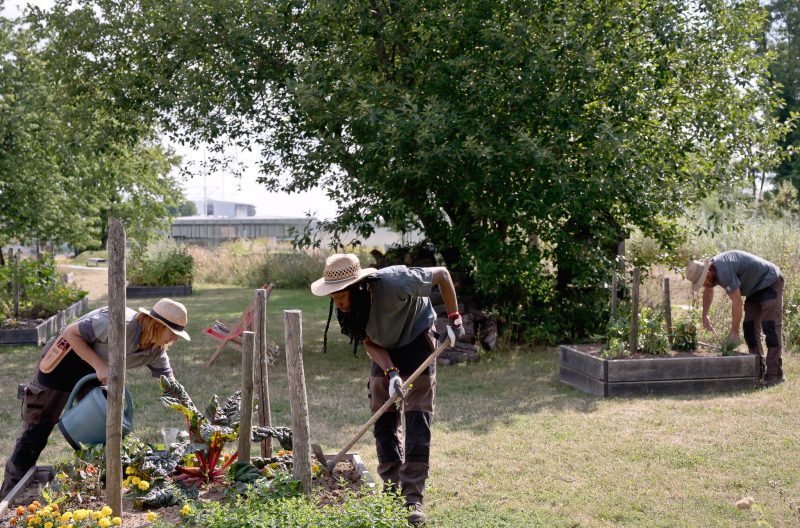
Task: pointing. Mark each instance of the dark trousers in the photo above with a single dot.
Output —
(41, 409)
(405, 463)
(763, 311)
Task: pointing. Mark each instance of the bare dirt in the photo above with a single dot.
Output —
(595, 349)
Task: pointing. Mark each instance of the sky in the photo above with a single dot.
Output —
(222, 186)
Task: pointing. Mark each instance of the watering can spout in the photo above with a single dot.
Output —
(84, 422)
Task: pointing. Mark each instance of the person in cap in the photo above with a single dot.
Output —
(81, 349)
(755, 287)
(389, 311)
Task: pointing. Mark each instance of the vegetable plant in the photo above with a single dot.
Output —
(210, 430)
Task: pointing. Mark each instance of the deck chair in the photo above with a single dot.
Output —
(231, 335)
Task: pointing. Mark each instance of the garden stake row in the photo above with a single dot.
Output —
(450, 341)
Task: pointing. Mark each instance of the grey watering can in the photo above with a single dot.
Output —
(85, 422)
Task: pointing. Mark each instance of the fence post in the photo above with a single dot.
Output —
(633, 344)
(116, 363)
(614, 287)
(262, 368)
(668, 310)
(246, 420)
(15, 280)
(293, 333)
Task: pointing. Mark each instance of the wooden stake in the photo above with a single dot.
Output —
(634, 337)
(116, 363)
(246, 420)
(668, 309)
(614, 287)
(293, 333)
(262, 366)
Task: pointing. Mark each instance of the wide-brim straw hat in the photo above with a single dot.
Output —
(171, 314)
(341, 270)
(696, 272)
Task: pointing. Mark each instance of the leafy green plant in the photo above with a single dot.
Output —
(684, 334)
(41, 291)
(653, 337)
(164, 264)
(210, 430)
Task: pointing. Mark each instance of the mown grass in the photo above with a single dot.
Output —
(512, 447)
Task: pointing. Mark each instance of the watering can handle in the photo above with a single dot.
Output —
(86, 379)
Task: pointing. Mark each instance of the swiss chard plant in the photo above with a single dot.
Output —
(211, 430)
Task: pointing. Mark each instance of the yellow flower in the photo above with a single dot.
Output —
(116, 521)
(62, 476)
(186, 509)
(66, 517)
(104, 522)
(106, 511)
(96, 515)
(48, 524)
(135, 481)
(144, 485)
(130, 471)
(151, 516)
(80, 515)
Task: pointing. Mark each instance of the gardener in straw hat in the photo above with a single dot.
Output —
(760, 283)
(389, 311)
(81, 349)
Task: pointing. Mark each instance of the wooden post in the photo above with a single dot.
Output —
(116, 363)
(668, 309)
(634, 337)
(246, 421)
(262, 368)
(15, 280)
(614, 287)
(293, 334)
(621, 263)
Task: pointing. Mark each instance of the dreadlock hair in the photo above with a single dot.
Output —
(354, 322)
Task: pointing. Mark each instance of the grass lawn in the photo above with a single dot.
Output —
(511, 446)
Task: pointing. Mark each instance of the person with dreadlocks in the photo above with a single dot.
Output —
(389, 311)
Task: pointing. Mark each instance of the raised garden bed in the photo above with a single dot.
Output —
(683, 373)
(39, 333)
(158, 291)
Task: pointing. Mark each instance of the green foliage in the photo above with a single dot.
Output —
(164, 264)
(684, 332)
(791, 317)
(260, 508)
(653, 337)
(525, 139)
(41, 291)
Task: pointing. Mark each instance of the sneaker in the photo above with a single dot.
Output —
(415, 514)
(770, 381)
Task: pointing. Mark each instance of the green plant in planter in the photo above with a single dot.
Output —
(162, 265)
(209, 431)
(684, 334)
(41, 292)
(653, 337)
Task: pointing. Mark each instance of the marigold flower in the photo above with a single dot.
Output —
(130, 471)
(151, 516)
(48, 524)
(12, 521)
(106, 511)
(186, 509)
(66, 516)
(104, 522)
(116, 521)
(135, 481)
(144, 485)
(21, 511)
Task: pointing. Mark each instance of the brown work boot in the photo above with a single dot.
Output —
(415, 514)
(770, 381)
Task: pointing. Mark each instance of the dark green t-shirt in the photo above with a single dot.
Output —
(401, 309)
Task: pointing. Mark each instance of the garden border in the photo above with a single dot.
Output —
(45, 330)
(158, 291)
(656, 375)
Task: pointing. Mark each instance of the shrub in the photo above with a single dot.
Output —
(163, 264)
(684, 332)
(41, 292)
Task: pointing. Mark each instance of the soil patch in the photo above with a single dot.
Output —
(332, 488)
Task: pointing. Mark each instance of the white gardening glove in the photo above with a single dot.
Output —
(395, 384)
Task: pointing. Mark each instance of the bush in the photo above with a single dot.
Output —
(164, 264)
(41, 292)
(368, 511)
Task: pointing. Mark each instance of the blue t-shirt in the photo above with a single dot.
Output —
(748, 273)
(401, 309)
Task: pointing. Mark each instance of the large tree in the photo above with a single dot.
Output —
(525, 138)
(66, 164)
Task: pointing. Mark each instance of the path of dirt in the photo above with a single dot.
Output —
(92, 280)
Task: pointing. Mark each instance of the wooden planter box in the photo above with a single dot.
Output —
(47, 329)
(158, 291)
(657, 375)
(36, 474)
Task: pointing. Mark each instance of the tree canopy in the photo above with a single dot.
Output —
(66, 163)
(526, 139)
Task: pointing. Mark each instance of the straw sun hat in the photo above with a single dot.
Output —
(171, 314)
(696, 272)
(341, 270)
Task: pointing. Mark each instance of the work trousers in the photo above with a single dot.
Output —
(41, 409)
(763, 310)
(405, 464)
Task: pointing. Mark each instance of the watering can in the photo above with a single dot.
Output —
(85, 421)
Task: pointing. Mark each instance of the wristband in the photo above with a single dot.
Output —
(453, 314)
(389, 370)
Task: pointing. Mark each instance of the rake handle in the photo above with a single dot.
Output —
(441, 348)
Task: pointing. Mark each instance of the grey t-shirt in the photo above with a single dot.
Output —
(93, 328)
(401, 309)
(748, 273)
